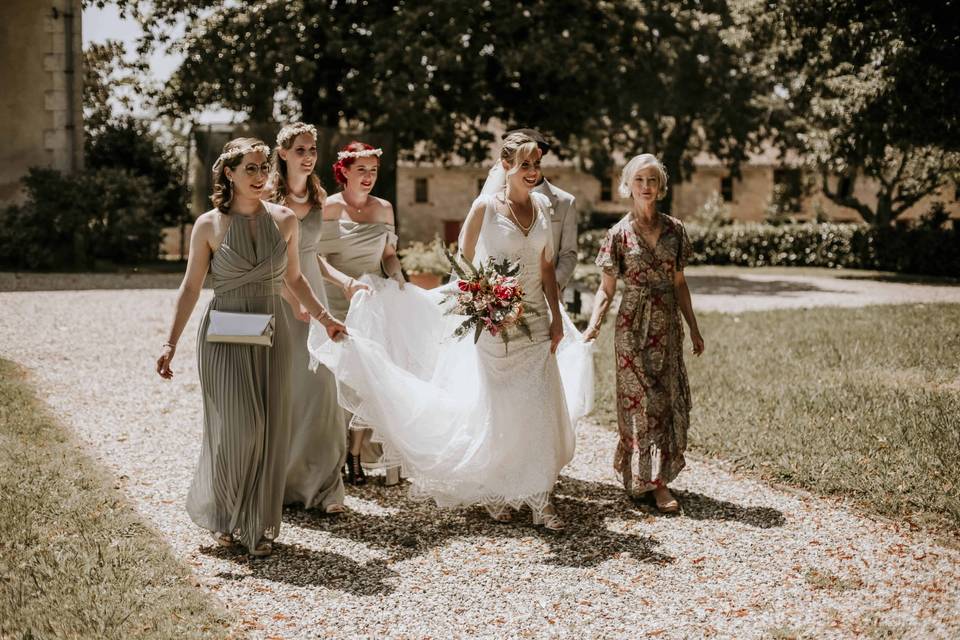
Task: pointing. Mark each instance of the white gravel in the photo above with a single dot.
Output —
(744, 561)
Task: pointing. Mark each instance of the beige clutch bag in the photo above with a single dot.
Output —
(241, 328)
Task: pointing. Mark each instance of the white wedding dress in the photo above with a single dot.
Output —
(470, 423)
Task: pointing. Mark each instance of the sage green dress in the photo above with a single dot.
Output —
(318, 442)
(239, 481)
(356, 248)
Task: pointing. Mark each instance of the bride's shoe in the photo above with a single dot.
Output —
(499, 512)
(548, 518)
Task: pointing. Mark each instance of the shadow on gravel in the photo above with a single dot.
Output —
(725, 285)
(419, 527)
(303, 567)
(697, 506)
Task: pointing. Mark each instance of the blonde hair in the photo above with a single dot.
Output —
(516, 148)
(232, 155)
(638, 163)
(278, 176)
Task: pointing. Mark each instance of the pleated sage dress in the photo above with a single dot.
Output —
(356, 249)
(239, 482)
(318, 442)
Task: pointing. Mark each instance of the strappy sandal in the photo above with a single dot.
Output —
(499, 512)
(223, 539)
(334, 508)
(263, 549)
(548, 518)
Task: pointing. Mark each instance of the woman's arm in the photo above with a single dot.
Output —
(391, 264)
(331, 274)
(297, 283)
(548, 277)
(601, 304)
(198, 262)
(471, 231)
(686, 308)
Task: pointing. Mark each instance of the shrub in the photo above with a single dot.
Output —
(72, 221)
(420, 257)
(927, 247)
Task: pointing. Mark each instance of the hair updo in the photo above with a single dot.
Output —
(516, 148)
(232, 156)
(345, 163)
(278, 176)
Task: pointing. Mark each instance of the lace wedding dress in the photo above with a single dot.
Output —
(470, 423)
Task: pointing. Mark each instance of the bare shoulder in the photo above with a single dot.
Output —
(333, 206)
(384, 210)
(279, 212)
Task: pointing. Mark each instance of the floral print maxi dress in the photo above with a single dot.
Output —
(653, 396)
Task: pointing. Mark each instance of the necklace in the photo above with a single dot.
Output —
(299, 199)
(523, 229)
(349, 206)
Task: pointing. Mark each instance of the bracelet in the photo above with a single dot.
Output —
(323, 315)
(350, 283)
(172, 345)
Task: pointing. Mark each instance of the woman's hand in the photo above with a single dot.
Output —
(163, 362)
(556, 334)
(697, 341)
(336, 330)
(301, 313)
(591, 333)
(353, 287)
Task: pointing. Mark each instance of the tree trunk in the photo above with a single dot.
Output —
(672, 158)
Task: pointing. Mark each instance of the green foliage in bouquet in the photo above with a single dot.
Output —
(495, 279)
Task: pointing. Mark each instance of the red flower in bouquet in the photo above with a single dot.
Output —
(490, 297)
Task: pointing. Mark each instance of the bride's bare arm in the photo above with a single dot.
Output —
(471, 231)
(548, 277)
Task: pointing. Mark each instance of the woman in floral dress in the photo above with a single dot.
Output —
(649, 250)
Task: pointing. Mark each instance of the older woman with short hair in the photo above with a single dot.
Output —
(649, 250)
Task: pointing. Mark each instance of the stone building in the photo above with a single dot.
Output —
(433, 200)
(41, 84)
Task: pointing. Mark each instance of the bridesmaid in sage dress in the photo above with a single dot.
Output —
(249, 247)
(318, 442)
(359, 238)
(649, 250)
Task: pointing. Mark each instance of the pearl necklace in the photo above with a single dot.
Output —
(299, 199)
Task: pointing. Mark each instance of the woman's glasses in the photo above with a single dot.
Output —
(253, 169)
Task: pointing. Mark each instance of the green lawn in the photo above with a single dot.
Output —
(862, 403)
(75, 559)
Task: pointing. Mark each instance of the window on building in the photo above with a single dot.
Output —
(480, 182)
(787, 189)
(845, 186)
(451, 230)
(606, 190)
(726, 188)
(420, 191)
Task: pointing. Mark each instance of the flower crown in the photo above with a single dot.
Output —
(291, 131)
(239, 152)
(365, 153)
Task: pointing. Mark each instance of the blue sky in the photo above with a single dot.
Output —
(106, 24)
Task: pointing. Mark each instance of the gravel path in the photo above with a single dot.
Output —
(744, 560)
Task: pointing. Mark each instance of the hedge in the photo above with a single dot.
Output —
(923, 248)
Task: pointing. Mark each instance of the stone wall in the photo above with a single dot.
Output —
(41, 85)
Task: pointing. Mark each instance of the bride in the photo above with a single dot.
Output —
(486, 423)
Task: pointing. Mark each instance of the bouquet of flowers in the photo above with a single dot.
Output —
(490, 296)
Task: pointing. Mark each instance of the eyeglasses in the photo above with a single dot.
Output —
(253, 169)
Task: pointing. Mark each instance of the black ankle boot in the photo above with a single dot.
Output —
(355, 475)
